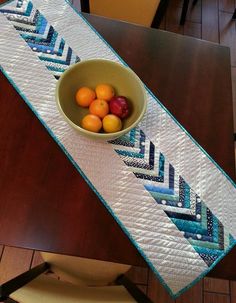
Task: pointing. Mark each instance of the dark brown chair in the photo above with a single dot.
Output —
(185, 10)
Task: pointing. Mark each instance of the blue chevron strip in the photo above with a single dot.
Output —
(41, 37)
(184, 207)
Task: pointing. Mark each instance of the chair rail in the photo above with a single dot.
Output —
(10, 286)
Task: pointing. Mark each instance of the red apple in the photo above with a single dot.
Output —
(119, 106)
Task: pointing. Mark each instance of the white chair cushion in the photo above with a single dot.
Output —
(82, 271)
(45, 289)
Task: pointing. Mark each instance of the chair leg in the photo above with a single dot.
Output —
(184, 12)
(9, 287)
(85, 8)
(161, 10)
(133, 290)
(234, 15)
(8, 300)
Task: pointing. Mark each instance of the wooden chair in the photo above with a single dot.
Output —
(185, 10)
(234, 15)
(142, 12)
(80, 280)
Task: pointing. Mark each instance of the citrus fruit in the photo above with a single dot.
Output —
(85, 96)
(111, 124)
(91, 123)
(104, 92)
(99, 108)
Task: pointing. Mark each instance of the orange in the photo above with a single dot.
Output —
(91, 123)
(85, 96)
(104, 92)
(99, 108)
(111, 124)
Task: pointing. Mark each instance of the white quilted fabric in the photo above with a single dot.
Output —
(158, 239)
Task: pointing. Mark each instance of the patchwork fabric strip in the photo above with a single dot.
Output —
(182, 205)
(41, 37)
(180, 234)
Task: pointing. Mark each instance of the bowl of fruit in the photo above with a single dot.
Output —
(100, 98)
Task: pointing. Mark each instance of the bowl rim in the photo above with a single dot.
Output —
(93, 134)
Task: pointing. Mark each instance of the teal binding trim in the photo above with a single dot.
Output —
(233, 241)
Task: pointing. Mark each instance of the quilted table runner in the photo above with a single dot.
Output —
(171, 199)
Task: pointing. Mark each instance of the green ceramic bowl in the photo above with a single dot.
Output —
(91, 73)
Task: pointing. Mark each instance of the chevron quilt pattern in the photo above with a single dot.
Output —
(182, 205)
(41, 37)
(181, 225)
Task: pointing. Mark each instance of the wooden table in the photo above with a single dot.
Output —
(46, 205)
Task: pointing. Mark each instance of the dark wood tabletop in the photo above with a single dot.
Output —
(46, 205)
